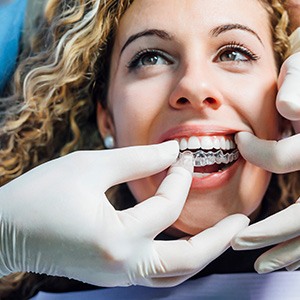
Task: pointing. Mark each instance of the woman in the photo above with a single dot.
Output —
(148, 52)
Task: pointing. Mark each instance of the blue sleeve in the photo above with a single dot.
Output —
(12, 14)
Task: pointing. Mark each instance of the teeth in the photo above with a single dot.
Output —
(183, 144)
(217, 144)
(223, 143)
(194, 143)
(202, 158)
(227, 145)
(206, 143)
(201, 175)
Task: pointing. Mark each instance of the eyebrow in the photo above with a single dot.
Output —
(227, 27)
(166, 36)
(149, 32)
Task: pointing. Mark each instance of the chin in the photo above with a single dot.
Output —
(204, 209)
(212, 198)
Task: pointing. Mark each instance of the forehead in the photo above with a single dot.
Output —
(192, 16)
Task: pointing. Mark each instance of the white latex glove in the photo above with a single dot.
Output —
(283, 229)
(288, 98)
(278, 157)
(57, 220)
(282, 156)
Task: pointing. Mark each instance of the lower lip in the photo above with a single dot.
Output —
(218, 179)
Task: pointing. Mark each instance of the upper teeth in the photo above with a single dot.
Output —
(206, 143)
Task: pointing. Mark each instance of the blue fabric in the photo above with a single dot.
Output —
(241, 286)
(12, 14)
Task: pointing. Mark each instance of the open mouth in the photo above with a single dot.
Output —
(212, 154)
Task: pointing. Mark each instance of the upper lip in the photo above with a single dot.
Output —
(196, 130)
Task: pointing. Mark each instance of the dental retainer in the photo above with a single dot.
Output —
(206, 158)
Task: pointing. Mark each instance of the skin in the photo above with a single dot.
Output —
(197, 89)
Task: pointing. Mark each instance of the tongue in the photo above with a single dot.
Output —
(208, 169)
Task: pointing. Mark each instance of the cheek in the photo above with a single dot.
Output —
(136, 107)
(252, 192)
(257, 106)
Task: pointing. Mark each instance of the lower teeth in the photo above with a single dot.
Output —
(201, 175)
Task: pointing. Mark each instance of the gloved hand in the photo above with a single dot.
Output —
(57, 220)
(288, 98)
(278, 157)
(282, 228)
(282, 156)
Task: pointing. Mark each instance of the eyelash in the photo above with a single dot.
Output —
(233, 46)
(133, 64)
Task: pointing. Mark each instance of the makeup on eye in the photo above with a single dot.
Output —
(231, 52)
(236, 52)
(150, 57)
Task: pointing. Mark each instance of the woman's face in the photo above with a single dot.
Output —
(195, 71)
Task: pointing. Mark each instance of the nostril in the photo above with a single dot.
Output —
(210, 100)
(182, 100)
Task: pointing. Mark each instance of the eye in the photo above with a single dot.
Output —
(149, 57)
(232, 56)
(236, 53)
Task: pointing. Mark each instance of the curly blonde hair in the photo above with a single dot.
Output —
(61, 76)
(52, 101)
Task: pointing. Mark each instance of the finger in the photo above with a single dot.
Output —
(168, 281)
(126, 164)
(294, 266)
(277, 228)
(279, 257)
(152, 216)
(288, 97)
(277, 157)
(185, 257)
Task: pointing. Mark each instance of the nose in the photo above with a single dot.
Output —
(196, 88)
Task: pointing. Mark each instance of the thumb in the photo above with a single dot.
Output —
(288, 97)
(277, 157)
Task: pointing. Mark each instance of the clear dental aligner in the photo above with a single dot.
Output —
(206, 158)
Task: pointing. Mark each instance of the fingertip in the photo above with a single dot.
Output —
(290, 109)
(238, 243)
(293, 267)
(172, 147)
(166, 151)
(262, 267)
(242, 136)
(237, 221)
(243, 219)
(186, 161)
